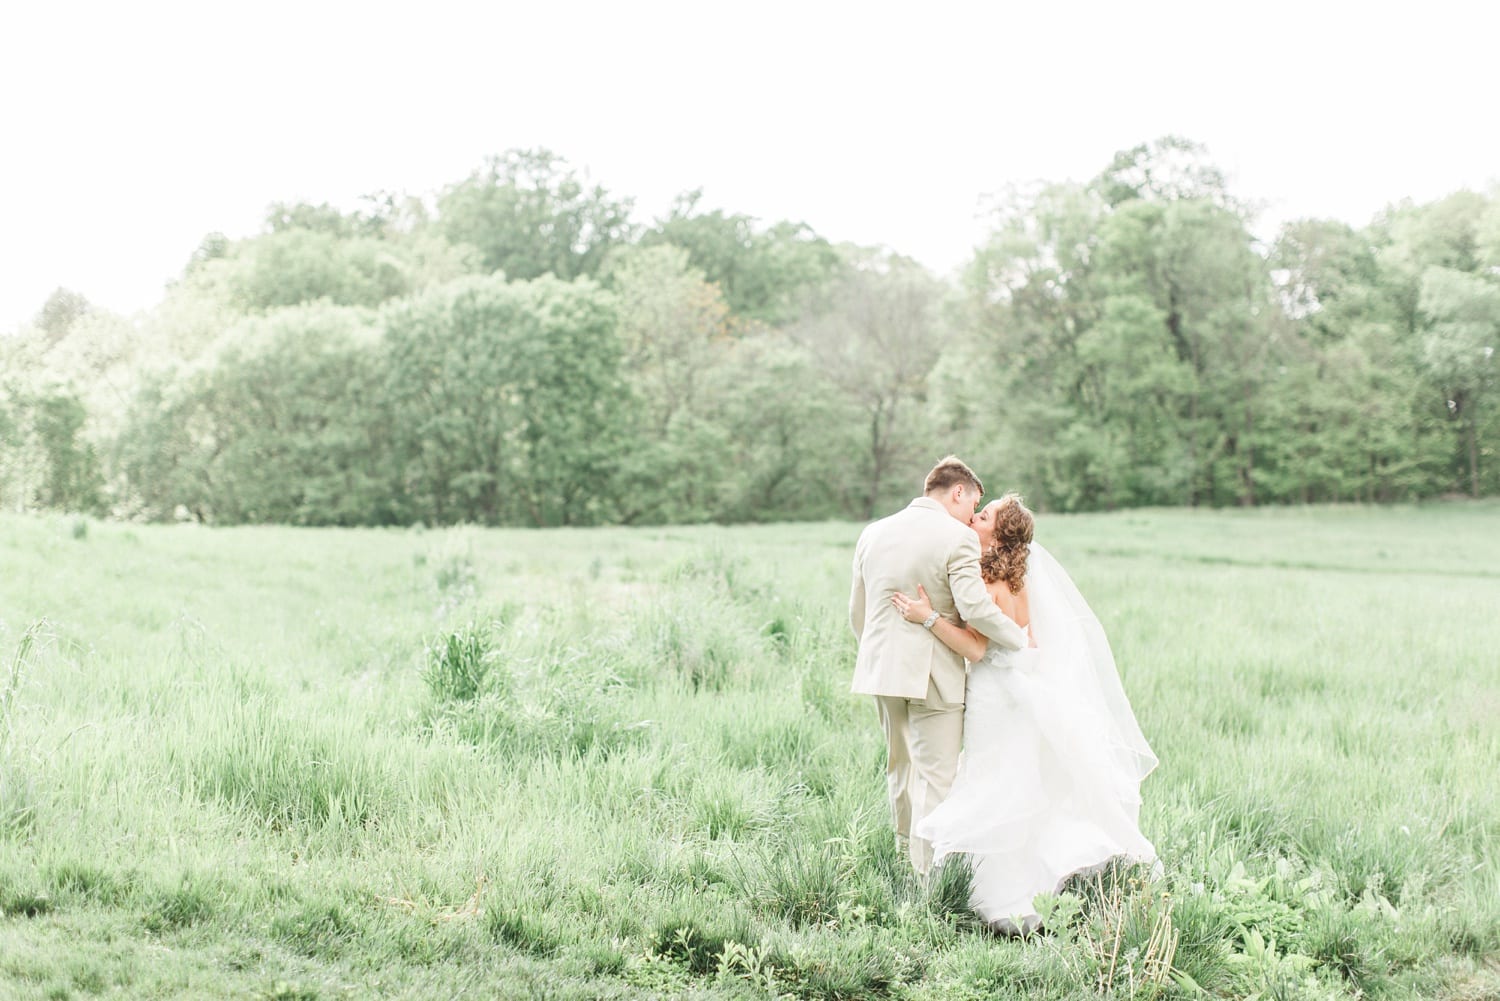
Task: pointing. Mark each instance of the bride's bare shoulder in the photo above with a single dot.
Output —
(1014, 605)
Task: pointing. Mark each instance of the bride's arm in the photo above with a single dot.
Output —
(969, 643)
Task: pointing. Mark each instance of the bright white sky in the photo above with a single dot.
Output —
(129, 130)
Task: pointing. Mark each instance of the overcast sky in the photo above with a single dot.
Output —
(128, 131)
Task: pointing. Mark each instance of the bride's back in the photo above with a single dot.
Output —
(1014, 605)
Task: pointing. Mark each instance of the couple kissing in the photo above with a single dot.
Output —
(1009, 737)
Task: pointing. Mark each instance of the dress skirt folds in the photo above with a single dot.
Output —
(1049, 781)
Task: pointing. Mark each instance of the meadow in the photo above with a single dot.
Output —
(624, 763)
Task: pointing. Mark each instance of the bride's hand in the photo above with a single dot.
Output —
(913, 609)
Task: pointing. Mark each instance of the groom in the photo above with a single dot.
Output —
(918, 683)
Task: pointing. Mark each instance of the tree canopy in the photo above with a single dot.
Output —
(516, 349)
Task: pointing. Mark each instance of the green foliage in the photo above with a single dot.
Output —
(315, 253)
(765, 272)
(529, 214)
(1463, 312)
(289, 426)
(871, 334)
(457, 663)
(505, 400)
(298, 266)
(1163, 360)
(865, 965)
(62, 309)
(1122, 342)
(554, 703)
(46, 459)
(699, 940)
(1349, 944)
(565, 710)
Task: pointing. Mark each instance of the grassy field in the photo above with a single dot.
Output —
(276, 763)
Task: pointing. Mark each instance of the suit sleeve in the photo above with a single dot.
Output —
(973, 601)
(857, 590)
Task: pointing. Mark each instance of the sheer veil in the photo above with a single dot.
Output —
(1075, 654)
(1049, 783)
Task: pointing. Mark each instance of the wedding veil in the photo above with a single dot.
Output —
(1075, 655)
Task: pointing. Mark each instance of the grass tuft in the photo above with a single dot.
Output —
(1344, 942)
(949, 889)
(292, 773)
(520, 928)
(316, 930)
(798, 883)
(458, 663)
(697, 940)
(862, 967)
(91, 882)
(178, 907)
(20, 901)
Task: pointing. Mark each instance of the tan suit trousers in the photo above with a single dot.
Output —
(923, 737)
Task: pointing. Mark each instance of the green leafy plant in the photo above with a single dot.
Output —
(458, 662)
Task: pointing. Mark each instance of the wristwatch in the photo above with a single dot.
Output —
(928, 622)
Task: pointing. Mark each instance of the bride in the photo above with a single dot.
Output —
(1049, 781)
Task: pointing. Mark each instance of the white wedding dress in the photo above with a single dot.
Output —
(1049, 781)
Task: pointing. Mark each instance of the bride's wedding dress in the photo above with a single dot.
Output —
(1049, 781)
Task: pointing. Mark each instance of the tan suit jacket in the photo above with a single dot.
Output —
(926, 545)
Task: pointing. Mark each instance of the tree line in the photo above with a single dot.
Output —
(516, 350)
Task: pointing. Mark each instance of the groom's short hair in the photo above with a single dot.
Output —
(949, 472)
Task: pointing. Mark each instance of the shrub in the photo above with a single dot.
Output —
(21, 657)
(708, 649)
(989, 969)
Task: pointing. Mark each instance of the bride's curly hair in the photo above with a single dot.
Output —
(1006, 558)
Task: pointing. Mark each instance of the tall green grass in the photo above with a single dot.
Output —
(625, 763)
